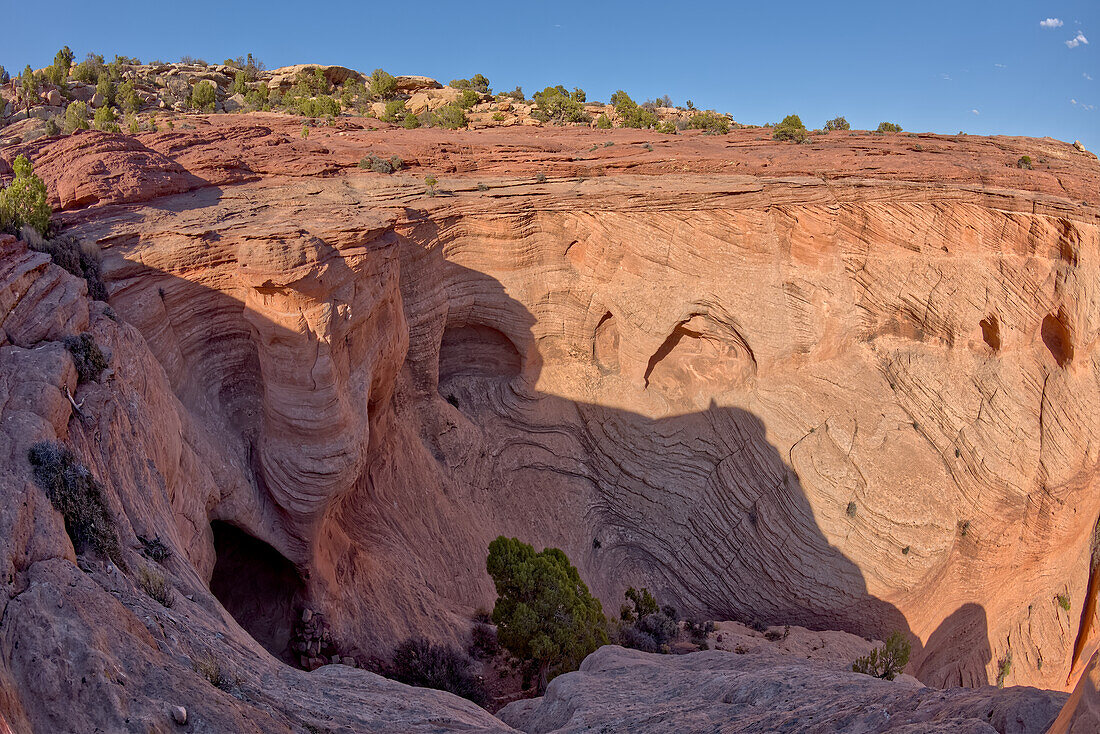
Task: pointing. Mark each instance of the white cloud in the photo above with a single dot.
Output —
(1073, 101)
(1051, 23)
(1077, 40)
(1000, 66)
(946, 77)
(976, 112)
(1086, 75)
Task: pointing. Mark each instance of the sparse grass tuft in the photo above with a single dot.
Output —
(209, 667)
(153, 584)
(1063, 601)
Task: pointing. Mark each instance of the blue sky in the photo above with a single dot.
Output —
(980, 67)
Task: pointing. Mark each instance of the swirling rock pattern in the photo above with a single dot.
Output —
(845, 385)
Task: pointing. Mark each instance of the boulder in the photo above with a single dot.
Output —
(233, 103)
(407, 84)
(53, 98)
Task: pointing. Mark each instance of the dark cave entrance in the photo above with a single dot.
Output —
(258, 586)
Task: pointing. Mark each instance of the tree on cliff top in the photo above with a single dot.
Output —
(544, 612)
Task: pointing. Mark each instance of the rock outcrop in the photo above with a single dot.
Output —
(618, 690)
(846, 385)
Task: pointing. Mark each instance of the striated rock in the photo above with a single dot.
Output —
(91, 167)
(848, 384)
(618, 690)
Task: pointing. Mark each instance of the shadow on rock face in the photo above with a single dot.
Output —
(395, 425)
(958, 651)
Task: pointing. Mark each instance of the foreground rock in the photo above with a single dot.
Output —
(619, 690)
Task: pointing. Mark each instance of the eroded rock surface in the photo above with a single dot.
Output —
(619, 690)
(848, 385)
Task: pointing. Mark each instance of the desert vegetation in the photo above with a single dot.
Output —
(792, 129)
(78, 496)
(24, 200)
(885, 662)
(544, 613)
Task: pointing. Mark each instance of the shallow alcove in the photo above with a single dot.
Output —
(1057, 337)
(479, 351)
(605, 343)
(991, 332)
(258, 586)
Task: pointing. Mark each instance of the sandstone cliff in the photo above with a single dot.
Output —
(847, 385)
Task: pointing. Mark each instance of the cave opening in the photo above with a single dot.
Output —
(478, 351)
(258, 586)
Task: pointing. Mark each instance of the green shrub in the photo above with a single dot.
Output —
(603, 122)
(88, 70)
(24, 201)
(791, 128)
(667, 128)
(127, 97)
(240, 83)
(257, 98)
(851, 509)
(313, 107)
(87, 356)
(153, 584)
(556, 105)
(52, 128)
(381, 165)
(630, 113)
(516, 94)
(468, 99)
(642, 603)
(477, 83)
(450, 117)
(411, 122)
(887, 661)
(417, 662)
(106, 120)
(837, 123)
(1063, 601)
(888, 127)
(544, 612)
(203, 96)
(28, 87)
(76, 117)
(305, 131)
(395, 110)
(105, 88)
(711, 122)
(1024, 162)
(58, 72)
(382, 85)
(78, 496)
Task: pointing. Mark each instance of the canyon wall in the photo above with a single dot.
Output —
(822, 385)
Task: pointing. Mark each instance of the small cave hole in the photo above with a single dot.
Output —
(991, 332)
(258, 586)
(1057, 338)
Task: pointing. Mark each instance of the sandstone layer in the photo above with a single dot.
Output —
(846, 385)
